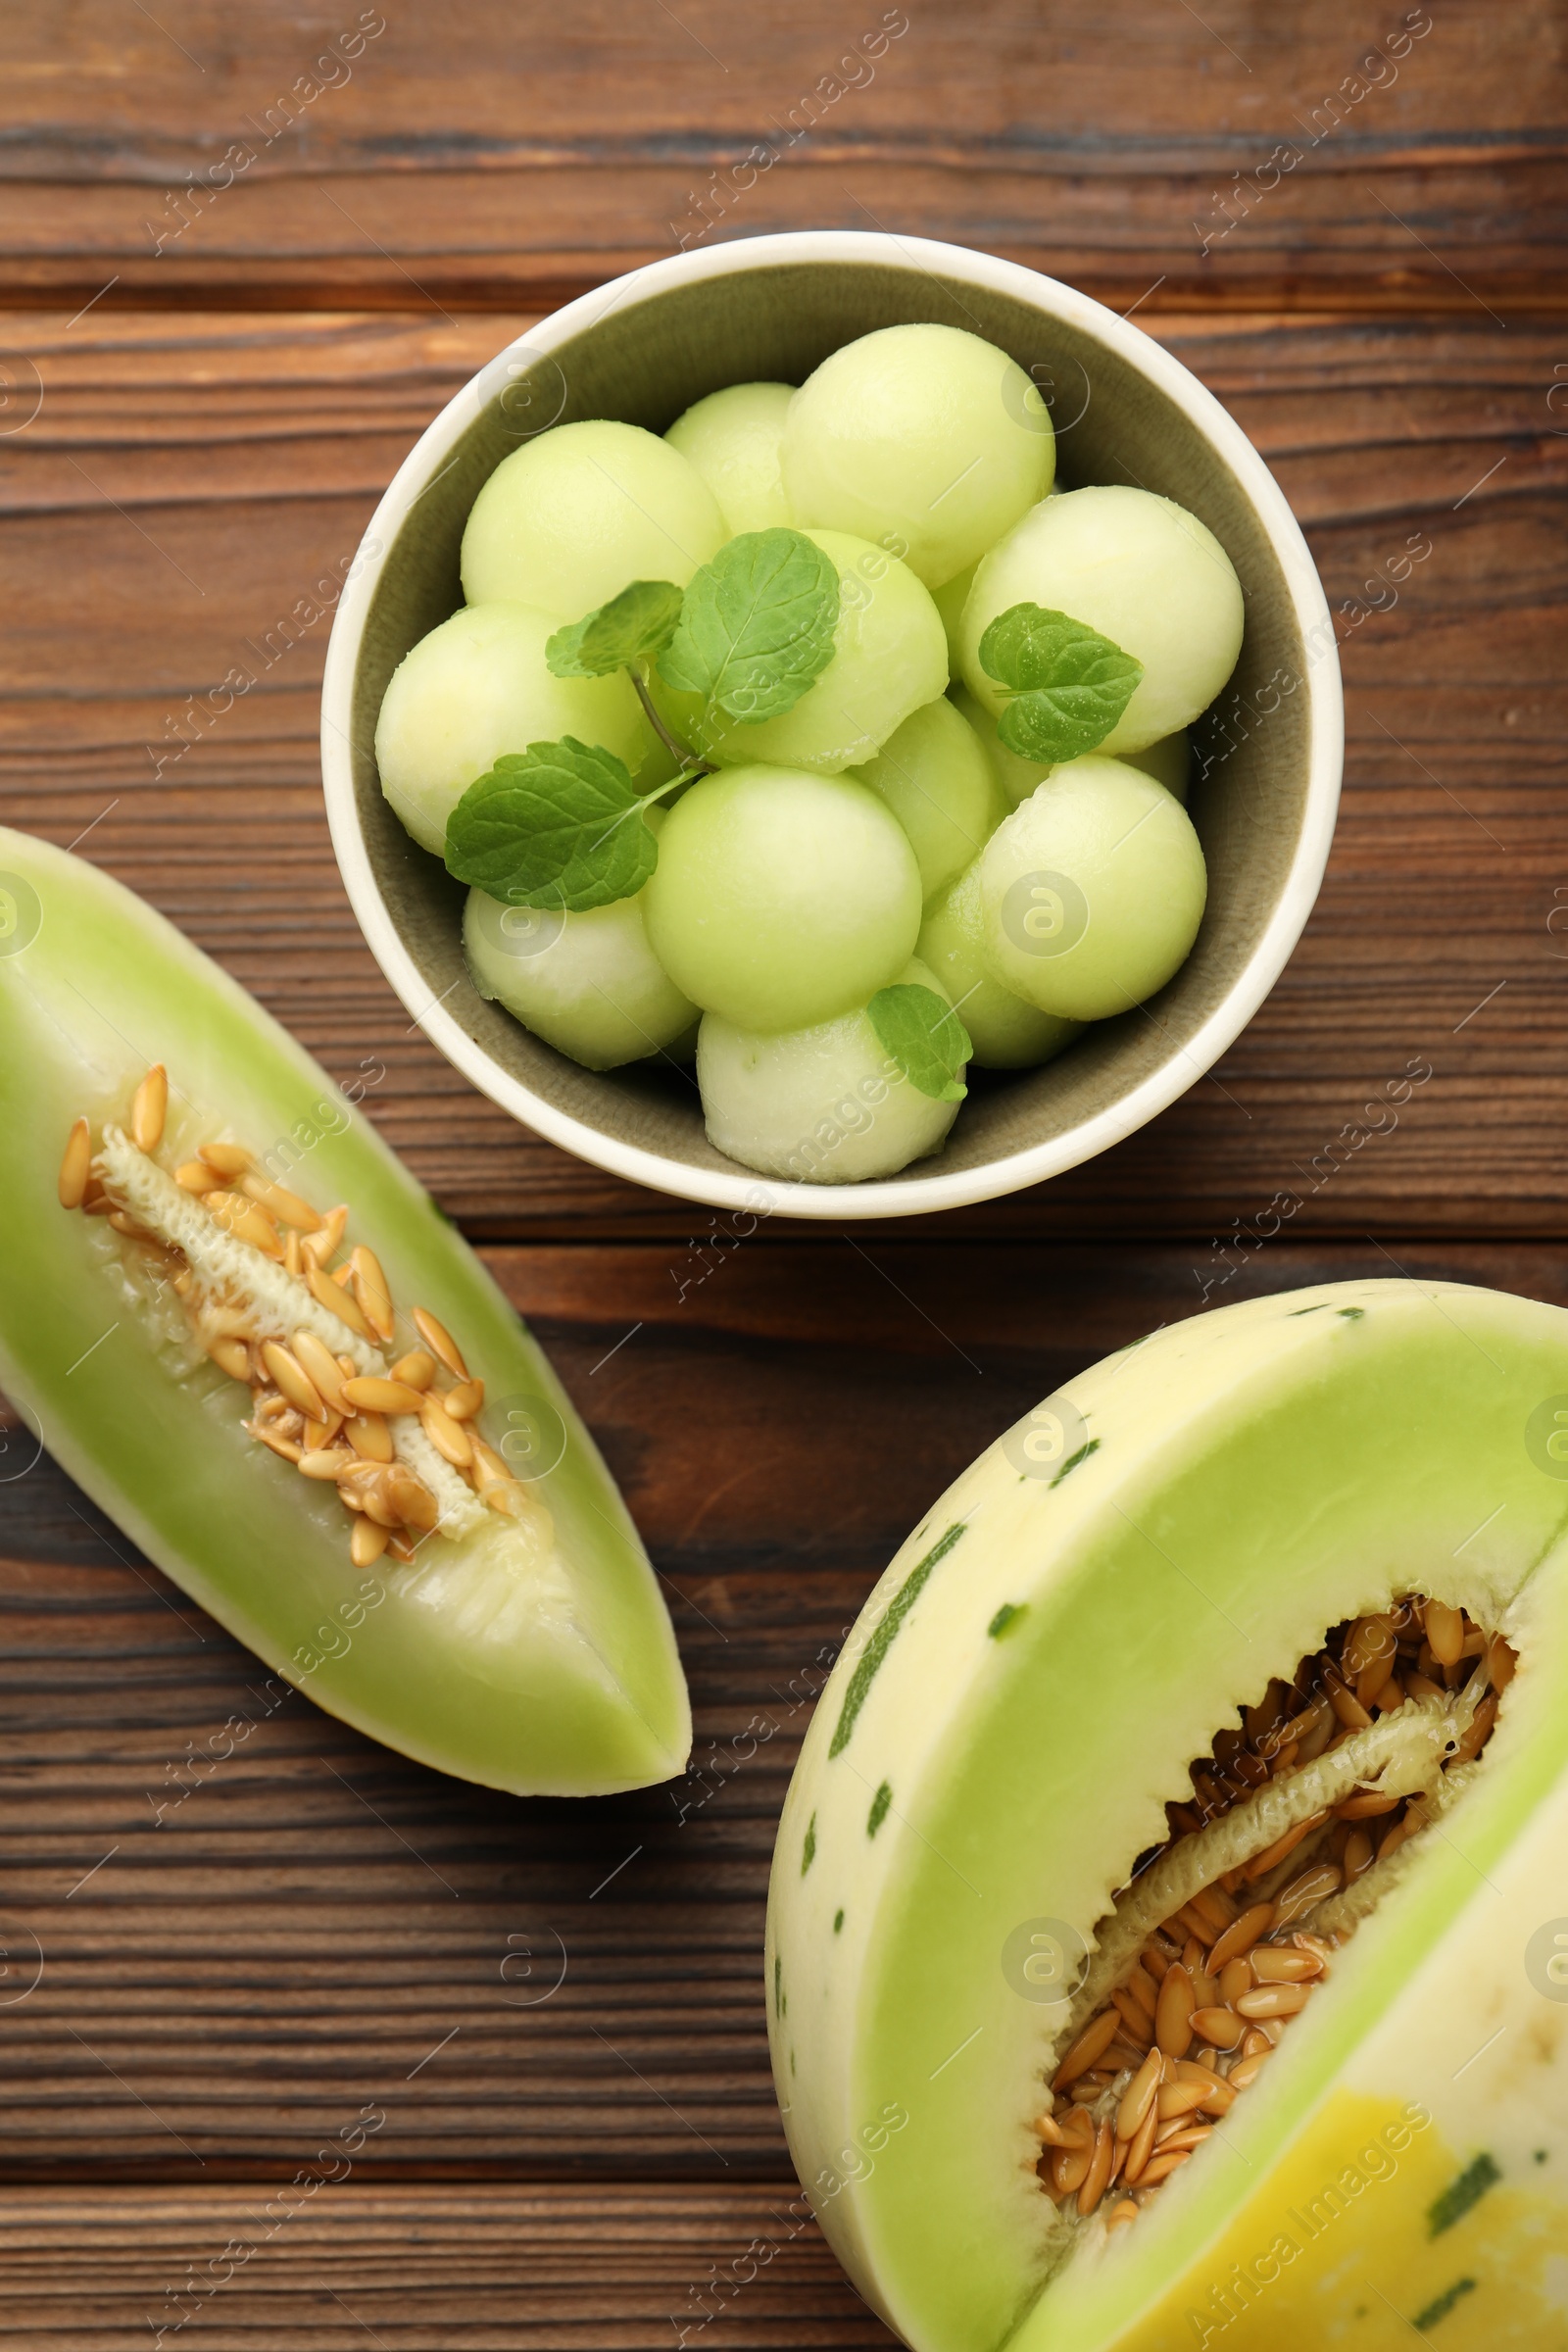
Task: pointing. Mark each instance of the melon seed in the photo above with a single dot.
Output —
(228, 1159)
(245, 1221)
(370, 1437)
(286, 1207)
(372, 1291)
(1091, 2043)
(288, 1378)
(1138, 2097)
(1273, 1966)
(75, 1166)
(1445, 1633)
(451, 1439)
(337, 1301)
(1274, 2000)
(1173, 2016)
(368, 1394)
(321, 1368)
(440, 1341)
(1241, 1935)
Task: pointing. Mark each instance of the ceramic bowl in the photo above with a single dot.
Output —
(643, 349)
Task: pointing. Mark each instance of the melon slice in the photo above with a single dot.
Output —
(374, 1481)
(997, 1813)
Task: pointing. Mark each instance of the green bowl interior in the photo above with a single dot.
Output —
(647, 358)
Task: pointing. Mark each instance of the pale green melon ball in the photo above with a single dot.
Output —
(588, 984)
(732, 438)
(1169, 761)
(924, 438)
(1006, 1033)
(1016, 775)
(1091, 891)
(889, 656)
(934, 775)
(783, 897)
(477, 687)
(824, 1104)
(569, 519)
(949, 600)
(1141, 571)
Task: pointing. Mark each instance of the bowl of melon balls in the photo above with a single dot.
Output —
(833, 724)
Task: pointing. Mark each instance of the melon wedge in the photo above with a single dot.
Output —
(526, 1646)
(1068, 1629)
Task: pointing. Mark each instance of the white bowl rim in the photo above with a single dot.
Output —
(745, 1190)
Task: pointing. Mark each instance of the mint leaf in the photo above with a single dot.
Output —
(556, 826)
(925, 1037)
(633, 624)
(1068, 684)
(756, 625)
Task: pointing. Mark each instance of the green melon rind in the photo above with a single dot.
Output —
(1257, 1474)
(560, 1676)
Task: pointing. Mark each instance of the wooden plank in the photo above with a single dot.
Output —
(228, 1923)
(187, 481)
(498, 155)
(425, 2269)
(248, 1926)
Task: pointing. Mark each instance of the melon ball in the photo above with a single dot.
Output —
(732, 438)
(1168, 761)
(571, 519)
(889, 656)
(1091, 891)
(1006, 1033)
(927, 439)
(783, 897)
(589, 984)
(1141, 571)
(478, 687)
(823, 1104)
(1016, 775)
(934, 775)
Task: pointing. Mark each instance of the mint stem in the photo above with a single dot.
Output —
(672, 743)
(692, 770)
(635, 808)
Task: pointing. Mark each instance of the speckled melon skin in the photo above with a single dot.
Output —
(1240, 1483)
(558, 1676)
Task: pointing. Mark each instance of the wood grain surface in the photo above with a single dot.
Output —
(524, 2268)
(492, 153)
(229, 1927)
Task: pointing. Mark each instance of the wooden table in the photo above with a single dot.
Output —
(216, 365)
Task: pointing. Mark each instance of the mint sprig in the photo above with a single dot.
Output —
(756, 628)
(634, 625)
(1067, 685)
(558, 825)
(925, 1037)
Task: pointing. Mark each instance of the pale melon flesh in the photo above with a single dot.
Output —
(535, 1662)
(1060, 1639)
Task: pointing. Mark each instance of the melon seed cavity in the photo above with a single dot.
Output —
(256, 1270)
(1290, 1836)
